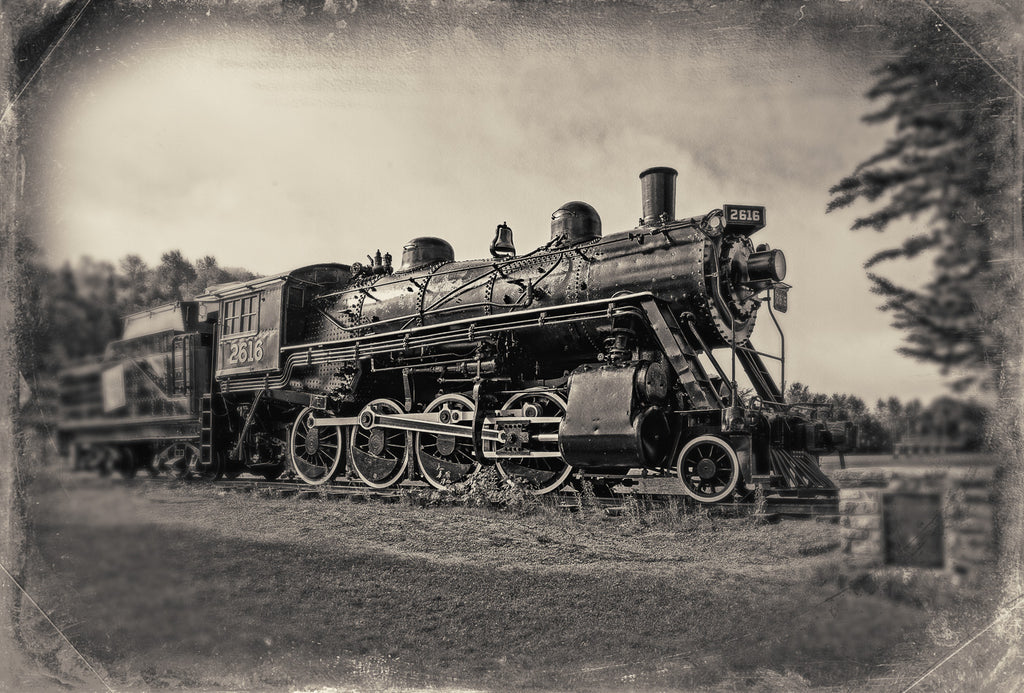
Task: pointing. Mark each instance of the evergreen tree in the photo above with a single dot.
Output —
(948, 163)
(73, 312)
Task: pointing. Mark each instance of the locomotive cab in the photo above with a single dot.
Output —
(256, 318)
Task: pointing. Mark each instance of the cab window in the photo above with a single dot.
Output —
(240, 315)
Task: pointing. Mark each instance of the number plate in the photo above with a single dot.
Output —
(249, 353)
(244, 351)
(748, 218)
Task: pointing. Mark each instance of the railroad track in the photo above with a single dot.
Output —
(822, 504)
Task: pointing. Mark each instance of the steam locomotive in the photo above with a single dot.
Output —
(590, 356)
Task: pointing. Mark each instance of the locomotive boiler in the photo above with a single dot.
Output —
(592, 355)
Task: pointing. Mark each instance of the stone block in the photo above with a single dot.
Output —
(977, 495)
(862, 507)
(975, 483)
(974, 525)
(851, 494)
(850, 534)
(860, 478)
(978, 511)
(979, 541)
(873, 521)
(866, 547)
(972, 555)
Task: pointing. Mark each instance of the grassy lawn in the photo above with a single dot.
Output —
(189, 586)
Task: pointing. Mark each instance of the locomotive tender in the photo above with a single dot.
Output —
(589, 355)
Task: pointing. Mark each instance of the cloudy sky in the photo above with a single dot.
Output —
(272, 146)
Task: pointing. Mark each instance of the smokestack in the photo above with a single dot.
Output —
(658, 185)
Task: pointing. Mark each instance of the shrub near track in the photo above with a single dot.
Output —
(193, 586)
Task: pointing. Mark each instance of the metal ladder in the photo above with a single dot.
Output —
(206, 429)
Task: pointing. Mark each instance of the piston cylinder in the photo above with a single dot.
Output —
(658, 187)
(603, 428)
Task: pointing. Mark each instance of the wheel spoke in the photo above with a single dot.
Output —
(708, 469)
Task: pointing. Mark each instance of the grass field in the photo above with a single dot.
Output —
(177, 586)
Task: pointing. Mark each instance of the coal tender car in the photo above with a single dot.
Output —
(139, 405)
(592, 356)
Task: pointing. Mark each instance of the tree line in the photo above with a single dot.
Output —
(957, 423)
(72, 312)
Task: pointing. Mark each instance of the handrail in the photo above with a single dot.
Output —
(426, 336)
(782, 346)
(477, 320)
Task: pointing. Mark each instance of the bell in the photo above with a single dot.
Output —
(502, 246)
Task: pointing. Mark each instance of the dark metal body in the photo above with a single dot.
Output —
(677, 263)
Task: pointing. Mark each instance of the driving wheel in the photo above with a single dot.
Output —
(315, 451)
(541, 474)
(379, 456)
(445, 459)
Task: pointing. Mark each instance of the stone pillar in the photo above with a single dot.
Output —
(970, 517)
(860, 515)
(957, 502)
